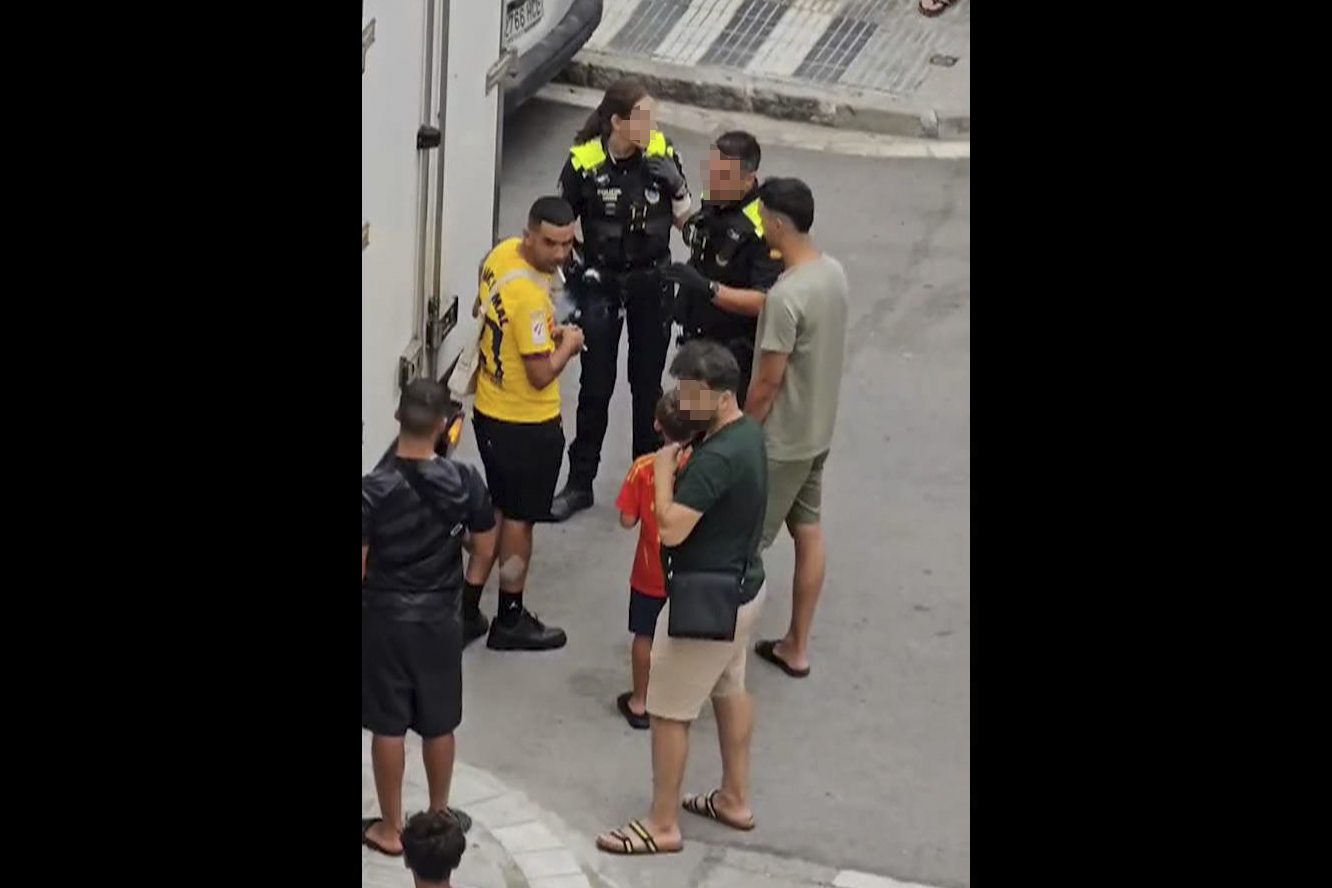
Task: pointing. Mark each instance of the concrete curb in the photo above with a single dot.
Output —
(836, 107)
(514, 843)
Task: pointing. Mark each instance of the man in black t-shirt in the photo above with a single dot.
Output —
(416, 510)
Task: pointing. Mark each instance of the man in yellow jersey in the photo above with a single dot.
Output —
(517, 416)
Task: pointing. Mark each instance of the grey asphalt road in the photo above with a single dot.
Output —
(865, 764)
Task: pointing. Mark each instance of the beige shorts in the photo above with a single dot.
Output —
(686, 671)
(795, 495)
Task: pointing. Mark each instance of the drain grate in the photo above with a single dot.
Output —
(836, 49)
(648, 28)
(750, 26)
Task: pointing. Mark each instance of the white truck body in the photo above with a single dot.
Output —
(428, 214)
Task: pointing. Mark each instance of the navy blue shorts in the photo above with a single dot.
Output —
(643, 613)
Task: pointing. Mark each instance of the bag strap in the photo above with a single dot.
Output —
(413, 478)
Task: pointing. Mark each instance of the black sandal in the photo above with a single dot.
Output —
(705, 806)
(626, 837)
(366, 823)
(768, 651)
(932, 13)
(636, 721)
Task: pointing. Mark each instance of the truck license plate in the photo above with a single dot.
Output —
(522, 17)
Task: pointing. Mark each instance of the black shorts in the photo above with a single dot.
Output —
(411, 675)
(643, 613)
(522, 461)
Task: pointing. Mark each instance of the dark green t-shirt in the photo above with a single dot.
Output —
(726, 479)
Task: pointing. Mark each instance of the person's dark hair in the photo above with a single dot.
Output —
(677, 427)
(620, 98)
(792, 198)
(553, 210)
(741, 146)
(707, 362)
(433, 844)
(421, 406)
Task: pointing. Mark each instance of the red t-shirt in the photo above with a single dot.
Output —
(638, 498)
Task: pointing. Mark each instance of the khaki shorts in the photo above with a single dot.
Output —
(795, 494)
(687, 671)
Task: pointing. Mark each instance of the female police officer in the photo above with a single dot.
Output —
(626, 185)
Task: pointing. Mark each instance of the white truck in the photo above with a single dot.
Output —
(436, 77)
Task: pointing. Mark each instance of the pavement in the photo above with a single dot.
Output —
(864, 767)
(872, 65)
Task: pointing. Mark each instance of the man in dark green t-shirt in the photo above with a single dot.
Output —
(709, 519)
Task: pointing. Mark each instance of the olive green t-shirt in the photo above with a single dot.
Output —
(804, 317)
(726, 479)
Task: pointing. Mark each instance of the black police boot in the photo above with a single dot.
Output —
(528, 634)
(474, 627)
(573, 498)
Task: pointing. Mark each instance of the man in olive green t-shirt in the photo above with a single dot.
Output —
(796, 380)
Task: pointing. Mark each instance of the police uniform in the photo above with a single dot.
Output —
(627, 219)
(726, 245)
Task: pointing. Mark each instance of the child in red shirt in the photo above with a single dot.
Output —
(647, 581)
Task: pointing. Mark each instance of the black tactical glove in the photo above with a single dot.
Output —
(664, 170)
(690, 279)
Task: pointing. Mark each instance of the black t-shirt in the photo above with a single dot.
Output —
(602, 202)
(726, 479)
(414, 548)
(725, 247)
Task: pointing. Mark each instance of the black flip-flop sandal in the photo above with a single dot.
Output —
(768, 651)
(932, 13)
(366, 823)
(636, 721)
(646, 843)
(705, 806)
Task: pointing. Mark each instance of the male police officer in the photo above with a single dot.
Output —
(730, 266)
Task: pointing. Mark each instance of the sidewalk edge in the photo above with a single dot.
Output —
(839, 108)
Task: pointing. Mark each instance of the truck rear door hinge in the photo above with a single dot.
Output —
(495, 73)
(409, 363)
(438, 328)
(428, 137)
(367, 38)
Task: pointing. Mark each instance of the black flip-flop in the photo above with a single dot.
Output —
(706, 806)
(636, 721)
(633, 840)
(768, 651)
(366, 823)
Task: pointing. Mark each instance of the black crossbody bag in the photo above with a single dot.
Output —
(704, 603)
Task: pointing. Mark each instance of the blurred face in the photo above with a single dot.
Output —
(549, 246)
(727, 178)
(637, 127)
(700, 403)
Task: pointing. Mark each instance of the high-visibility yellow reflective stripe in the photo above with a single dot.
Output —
(657, 146)
(588, 156)
(752, 211)
(591, 154)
